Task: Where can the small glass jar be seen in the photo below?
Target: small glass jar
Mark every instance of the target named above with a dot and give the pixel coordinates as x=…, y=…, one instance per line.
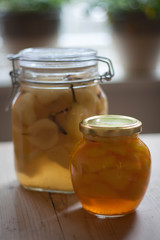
x=57, y=88
x=110, y=166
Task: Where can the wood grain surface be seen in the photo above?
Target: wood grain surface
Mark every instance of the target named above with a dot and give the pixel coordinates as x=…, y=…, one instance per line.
x=27, y=215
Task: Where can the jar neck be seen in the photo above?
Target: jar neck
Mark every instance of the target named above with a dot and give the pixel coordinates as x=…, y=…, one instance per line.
x=109, y=139
x=36, y=76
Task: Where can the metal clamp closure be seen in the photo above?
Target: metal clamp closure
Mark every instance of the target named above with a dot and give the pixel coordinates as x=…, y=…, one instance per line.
x=15, y=81
x=15, y=73
x=107, y=76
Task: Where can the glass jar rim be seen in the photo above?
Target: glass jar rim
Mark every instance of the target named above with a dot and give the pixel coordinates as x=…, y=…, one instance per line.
x=110, y=126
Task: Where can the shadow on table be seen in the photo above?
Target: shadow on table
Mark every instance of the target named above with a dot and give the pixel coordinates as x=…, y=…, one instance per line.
x=79, y=224
x=39, y=212
x=124, y=226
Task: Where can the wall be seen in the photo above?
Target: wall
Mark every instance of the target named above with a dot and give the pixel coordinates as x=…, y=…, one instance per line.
x=136, y=99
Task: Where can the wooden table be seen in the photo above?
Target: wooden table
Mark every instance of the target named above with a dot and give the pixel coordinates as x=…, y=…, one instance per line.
x=27, y=215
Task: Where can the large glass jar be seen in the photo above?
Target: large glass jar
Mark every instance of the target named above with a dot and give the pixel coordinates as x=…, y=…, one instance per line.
x=110, y=166
x=58, y=88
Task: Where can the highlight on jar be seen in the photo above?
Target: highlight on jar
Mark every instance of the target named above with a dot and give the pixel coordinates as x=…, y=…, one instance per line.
x=52, y=99
x=110, y=166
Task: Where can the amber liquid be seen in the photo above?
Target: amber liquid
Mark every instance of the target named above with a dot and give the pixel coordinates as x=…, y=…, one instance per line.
x=46, y=175
x=45, y=130
x=113, y=207
x=111, y=178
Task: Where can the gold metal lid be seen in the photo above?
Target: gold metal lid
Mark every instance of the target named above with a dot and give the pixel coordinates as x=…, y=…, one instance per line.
x=110, y=126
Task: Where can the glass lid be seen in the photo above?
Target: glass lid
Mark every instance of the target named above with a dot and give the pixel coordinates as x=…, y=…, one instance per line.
x=56, y=58
x=55, y=54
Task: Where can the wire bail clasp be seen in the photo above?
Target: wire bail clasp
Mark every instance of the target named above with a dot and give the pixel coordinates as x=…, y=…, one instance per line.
x=14, y=74
x=107, y=76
